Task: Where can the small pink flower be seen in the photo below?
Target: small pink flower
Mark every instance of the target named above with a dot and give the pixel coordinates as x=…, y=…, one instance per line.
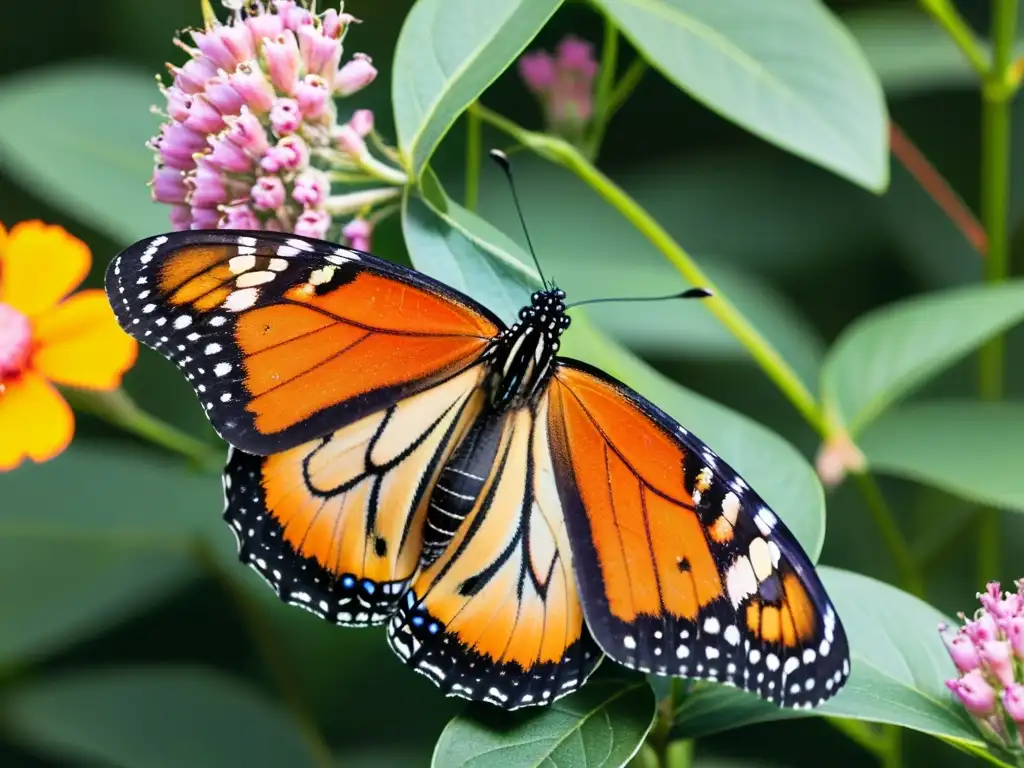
x=239, y=217
x=285, y=117
x=576, y=55
x=247, y=133
x=981, y=629
x=202, y=116
x=977, y=696
x=283, y=61
x=168, y=185
x=537, y=68
x=204, y=218
x=1014, y=629
x=334, y=23
x=311, y=188
x=211, y=44
x=312, y=95
x=1000, y=606
x=350, y=142
x=563, y=83
x=293, y=15
x=961, y=650
x=177, y=145
x=358, y=73
x=313, y=224
x=358, y=232
x=228, y=156
x=210, y=188
x=362, y=122
x=264, y=25
x=181, y=217
x=998, y=659
x=178, y=103
x=192, y=77
x=252, y=85
x=320, y=53
x=222, y=95
x=268, y=193
x=290, y=153
x=1013, y=700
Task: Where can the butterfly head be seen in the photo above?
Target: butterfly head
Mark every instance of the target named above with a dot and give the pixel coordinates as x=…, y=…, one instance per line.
x=522, y=355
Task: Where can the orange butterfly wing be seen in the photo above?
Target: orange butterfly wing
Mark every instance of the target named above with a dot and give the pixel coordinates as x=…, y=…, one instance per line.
x=683, y=570
x=286, y=339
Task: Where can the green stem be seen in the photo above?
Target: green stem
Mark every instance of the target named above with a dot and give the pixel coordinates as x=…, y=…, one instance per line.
x=997, y=94
x=474, y=146
x=761, y=350
x=945, y=13
x=892, y=756
x=670, y=754
x=630, y=79
x=274, y=658
x=897, y=545
x=605, y=83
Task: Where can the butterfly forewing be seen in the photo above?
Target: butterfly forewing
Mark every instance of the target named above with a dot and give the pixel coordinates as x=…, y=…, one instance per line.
x=683, y=569
x=286, y=339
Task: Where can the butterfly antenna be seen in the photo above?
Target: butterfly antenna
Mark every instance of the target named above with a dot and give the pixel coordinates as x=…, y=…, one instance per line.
x=501, y=159
x=692, y=293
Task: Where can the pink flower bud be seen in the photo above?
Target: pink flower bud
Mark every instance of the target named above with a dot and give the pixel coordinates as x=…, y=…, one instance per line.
x=312, y=95
x=292, y=14
x=960, y=649
x=283, y=61
x=358, y=73
x=998, y=659
x=210, y=188
x=576, y=55
x=239, y=217
x=999, y=606
x=211, y=44
x=285, y=117
x=334, y=23
x=974, y=692
x=537, y=69
x=247, y=133
x=222, y=96
x=350, y=142
x=268, y=193
x=362, y=122
x=1013, y=701
x=311, y=188
x=204, y=218
x=358, y=232
x=264, y=25
x=1014, y=629
x=202, y=116
x=250, y=83
x=168, y=185
x=982, y=629
x=181, y=217
x=192, y=76
x=320, y=53
x=239, y=43
x=228, y=156
x=313, y=224
x=178, y=103
x=290, y=153
x=177, y=145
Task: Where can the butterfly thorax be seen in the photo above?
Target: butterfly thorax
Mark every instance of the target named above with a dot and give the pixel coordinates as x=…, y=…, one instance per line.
x=521, y=357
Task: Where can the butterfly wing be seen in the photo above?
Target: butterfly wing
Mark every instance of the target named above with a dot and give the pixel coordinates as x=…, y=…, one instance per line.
x=682, y=568
x=287, y=338
x=335, y=525
x=494, y=614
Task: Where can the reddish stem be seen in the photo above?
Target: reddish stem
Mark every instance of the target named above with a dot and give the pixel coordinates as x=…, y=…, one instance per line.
x=931, y=181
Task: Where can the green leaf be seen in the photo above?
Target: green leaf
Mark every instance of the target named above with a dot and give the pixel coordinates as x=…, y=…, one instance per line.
x=75, y=136
x=785, y=70
x=898, y=669
x=885, y=353
x=776, y=469
x=99, y=533
x=970, y=449
x=448, y=52
x=154, y=717
x=600, y=726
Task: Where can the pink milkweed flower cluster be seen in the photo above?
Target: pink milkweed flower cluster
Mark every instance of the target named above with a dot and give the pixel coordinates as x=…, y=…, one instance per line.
x=988, y=651
x=564, y=84
x=252, y=133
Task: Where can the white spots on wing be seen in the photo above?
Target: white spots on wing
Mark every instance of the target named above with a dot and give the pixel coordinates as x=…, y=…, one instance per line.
x=792, y=664
x=630, y=642
x=250, y=279
x=212, y=349
x=765, y=520
x=711, y=626
x=731, y=507
x=732, y=635
x=809, y=656
x=772, y=662
x=278, y=265
x=240, y=264
x=241, y=299
x=161, y=321
x=226, y=397
x=776, y=553
x=246, y=240
x=740, y=581
x=321, y=276
x=149, y=308
x=184, y=321
x=682, y=652
x=222, y=369
x=760, y=558
x=301, y=245
x=218, y=320
x=287, y=250
x=193, y=337
x=711, y=652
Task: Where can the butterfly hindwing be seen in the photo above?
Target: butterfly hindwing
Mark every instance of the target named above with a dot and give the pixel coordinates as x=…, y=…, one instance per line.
x=335, y=525
x=494, y=614
x=683, y=569
x=287, y=338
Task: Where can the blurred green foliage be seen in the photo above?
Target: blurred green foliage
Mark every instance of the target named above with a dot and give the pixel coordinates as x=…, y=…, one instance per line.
x=129, y=636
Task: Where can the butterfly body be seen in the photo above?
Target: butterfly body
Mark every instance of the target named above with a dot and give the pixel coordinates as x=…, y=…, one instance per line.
x=402, y=457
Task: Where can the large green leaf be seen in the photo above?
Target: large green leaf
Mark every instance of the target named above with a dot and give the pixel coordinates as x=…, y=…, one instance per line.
x=448, y=52
x=967, y=448
x=94, y=536
x=886, y=353
x=899, y=666
x=600, y=726
x=154, y=717
x=779, y=473
x=785, y=70
x=75, y=136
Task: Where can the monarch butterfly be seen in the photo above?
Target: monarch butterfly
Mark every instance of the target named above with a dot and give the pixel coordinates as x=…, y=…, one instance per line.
x=399, y=455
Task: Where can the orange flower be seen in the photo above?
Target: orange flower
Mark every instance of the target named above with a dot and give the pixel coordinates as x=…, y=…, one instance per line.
x=46, y=338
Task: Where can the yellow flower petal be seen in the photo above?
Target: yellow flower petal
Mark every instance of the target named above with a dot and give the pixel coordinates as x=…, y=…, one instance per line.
x=40, y=264
x=35, y=421
x=80, y=344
